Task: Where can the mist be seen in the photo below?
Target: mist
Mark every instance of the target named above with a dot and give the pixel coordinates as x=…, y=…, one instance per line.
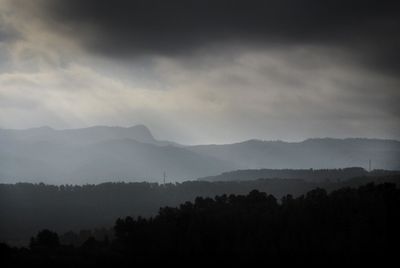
x=187, y=131
x=102, y=154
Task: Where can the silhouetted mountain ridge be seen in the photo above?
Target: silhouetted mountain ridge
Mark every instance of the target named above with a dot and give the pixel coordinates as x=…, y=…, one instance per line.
x=321, y=153
x=101, y=153
x=80, y=136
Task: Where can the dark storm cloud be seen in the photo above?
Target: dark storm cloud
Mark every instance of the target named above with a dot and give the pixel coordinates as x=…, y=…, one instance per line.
x=6, y=35
x=7, y=32
x=238, y=69
x=368, y=30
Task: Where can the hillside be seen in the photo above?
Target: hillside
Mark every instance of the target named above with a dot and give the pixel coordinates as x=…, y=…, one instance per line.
x=311, y=175
x=347, y=225
x=312, y=153
x=98, y=154
x=26, y=208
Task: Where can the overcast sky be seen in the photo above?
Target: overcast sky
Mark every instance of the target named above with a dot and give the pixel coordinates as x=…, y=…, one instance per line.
x=204, y=71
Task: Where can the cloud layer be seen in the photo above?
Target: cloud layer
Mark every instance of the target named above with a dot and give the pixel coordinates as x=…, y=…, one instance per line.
x=367, y=29
x=203, y=71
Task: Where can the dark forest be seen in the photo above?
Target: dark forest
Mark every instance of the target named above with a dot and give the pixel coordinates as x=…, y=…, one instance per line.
x=27, y=208
x=348, y=225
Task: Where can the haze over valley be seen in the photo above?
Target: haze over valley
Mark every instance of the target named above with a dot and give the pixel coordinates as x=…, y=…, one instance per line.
x=99, y=154
x=144, y=132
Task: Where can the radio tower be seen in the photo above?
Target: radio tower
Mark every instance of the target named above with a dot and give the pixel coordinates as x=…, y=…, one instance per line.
x=369, y=165
x=165, y=175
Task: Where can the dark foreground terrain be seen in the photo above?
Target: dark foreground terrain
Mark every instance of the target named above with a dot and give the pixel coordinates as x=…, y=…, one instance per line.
x=28, y=208
x=348, y=225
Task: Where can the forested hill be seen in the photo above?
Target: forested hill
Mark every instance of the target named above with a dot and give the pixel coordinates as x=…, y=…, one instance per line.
x=26, y=208
x=315, y=175
x=346, y=226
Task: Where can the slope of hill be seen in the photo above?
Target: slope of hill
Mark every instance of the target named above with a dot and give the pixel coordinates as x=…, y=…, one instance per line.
x=312, y=153
x=78, y=136
x=310, y=175
x=26, y=208
x=304, y=174
x=116, y=160
x=96, y=154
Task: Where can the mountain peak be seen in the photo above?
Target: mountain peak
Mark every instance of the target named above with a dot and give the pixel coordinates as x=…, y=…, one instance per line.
x=139, y=133
x=86, y=135
x=142, y=132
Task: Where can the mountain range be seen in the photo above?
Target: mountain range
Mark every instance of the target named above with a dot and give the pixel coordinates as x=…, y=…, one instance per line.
x=102, y=153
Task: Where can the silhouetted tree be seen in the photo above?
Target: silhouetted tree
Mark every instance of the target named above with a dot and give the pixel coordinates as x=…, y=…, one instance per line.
x=348, y=225
x=45, y=239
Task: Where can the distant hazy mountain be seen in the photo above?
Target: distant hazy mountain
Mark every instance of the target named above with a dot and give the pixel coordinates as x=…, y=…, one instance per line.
x=101, y=153
x=79, y=136
x=312, y=153
x=97, y=154
x=310, y=175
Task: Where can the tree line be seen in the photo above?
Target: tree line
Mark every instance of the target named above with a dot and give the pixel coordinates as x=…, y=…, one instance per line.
x=27, y=208
x=348, y=225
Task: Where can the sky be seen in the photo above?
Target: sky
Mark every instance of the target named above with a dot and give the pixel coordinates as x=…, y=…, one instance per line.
x=210, y=71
